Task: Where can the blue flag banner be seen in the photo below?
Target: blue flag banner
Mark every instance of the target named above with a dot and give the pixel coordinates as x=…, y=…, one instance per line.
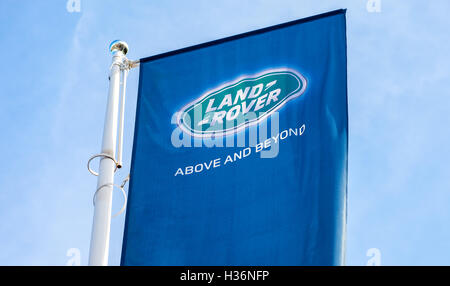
x=240, y=150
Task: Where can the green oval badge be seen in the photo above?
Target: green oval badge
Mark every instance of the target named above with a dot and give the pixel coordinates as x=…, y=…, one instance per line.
x=238, y=104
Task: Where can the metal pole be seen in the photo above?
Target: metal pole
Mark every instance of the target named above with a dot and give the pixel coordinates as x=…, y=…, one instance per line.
x=99, y=248
x=121, y=118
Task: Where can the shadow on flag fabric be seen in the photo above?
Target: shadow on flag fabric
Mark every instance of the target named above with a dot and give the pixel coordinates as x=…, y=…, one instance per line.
x=240, y=150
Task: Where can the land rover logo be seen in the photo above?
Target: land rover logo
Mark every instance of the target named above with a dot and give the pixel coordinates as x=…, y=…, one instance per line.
x=240, y=103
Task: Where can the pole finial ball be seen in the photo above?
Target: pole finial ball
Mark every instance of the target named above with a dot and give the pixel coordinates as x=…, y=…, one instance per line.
x=119, y=45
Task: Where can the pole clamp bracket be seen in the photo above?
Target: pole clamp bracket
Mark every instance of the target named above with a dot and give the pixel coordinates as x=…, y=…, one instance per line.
x=126, y=64
x=121, y=188
x=104, y=155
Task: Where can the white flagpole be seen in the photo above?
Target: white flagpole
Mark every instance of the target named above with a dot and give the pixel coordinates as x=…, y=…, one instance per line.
x=99, y=248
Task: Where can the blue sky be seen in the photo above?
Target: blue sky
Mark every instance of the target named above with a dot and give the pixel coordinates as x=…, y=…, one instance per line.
x=53, y=93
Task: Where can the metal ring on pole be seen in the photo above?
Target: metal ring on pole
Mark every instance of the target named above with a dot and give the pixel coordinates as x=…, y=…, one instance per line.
x=100, y=155
x=123, y=193
x=122, y=66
